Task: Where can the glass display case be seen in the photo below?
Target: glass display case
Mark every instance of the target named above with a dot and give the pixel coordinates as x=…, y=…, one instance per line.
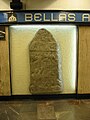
x=20, y=38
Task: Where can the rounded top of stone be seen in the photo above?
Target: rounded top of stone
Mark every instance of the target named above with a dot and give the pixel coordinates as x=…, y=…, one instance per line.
x=43, y=41
x=43, y=30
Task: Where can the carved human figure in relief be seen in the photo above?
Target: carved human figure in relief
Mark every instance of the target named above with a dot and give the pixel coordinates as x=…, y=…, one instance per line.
x=45, y=64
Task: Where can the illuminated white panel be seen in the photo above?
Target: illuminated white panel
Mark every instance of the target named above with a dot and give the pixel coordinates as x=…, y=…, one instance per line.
x=20, y=37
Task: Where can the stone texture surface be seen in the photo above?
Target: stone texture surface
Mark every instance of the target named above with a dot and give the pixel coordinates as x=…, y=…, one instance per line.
x=56, y=109
x=45, y=68
x=43, y=41
x=45, y=112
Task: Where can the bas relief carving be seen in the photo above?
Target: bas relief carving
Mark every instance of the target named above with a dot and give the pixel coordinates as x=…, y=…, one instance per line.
x=45, y=64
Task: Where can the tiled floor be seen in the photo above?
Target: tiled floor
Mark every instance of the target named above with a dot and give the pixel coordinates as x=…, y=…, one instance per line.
x=45, y=110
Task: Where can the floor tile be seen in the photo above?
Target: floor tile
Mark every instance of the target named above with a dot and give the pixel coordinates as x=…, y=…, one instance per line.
x=28, y=116
x=31, y=107
x=3, y=116
x=45, y=112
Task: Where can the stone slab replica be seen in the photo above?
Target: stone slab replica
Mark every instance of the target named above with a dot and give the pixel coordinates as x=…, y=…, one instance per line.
x=45, y=64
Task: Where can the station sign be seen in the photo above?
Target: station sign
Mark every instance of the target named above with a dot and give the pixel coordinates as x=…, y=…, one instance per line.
x=44, y=16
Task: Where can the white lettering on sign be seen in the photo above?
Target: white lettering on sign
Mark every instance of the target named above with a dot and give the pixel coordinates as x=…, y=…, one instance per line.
x=52, y=18
x=45, y=18
x=37, y=17
x=60, y=17
x=28, y=17
x=86, y=17
x=71, y=17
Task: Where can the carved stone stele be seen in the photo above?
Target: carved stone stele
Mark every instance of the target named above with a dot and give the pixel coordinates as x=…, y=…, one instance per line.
x=45, y=64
